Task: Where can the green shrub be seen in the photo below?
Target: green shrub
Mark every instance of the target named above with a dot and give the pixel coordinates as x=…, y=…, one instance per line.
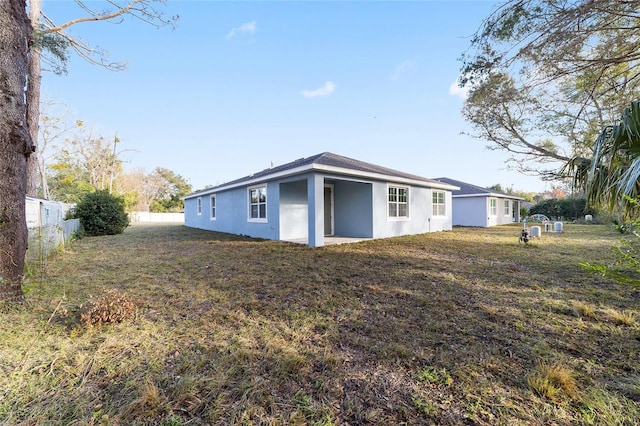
x=101, y=213
x=568, y=208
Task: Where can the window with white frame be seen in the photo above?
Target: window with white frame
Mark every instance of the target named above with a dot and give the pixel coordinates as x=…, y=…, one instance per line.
x=199, y=202
x=507, y=208
x=398, y=201
x=437, y=203
x=493, y=206
x=258, y=204
x=213, y=207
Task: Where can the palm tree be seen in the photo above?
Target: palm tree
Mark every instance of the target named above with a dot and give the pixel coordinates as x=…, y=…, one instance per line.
x=611, y=177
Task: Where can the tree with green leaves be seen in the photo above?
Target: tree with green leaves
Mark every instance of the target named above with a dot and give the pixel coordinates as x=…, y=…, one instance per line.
x=83, y=163
x=570, y=208
x=527, y=196
x=54, y=127
x=611, y=179
x=15, y=146
x=169, y=196
x=544, y=76
x=611, y=176
x=159, y=191
x=52, y=43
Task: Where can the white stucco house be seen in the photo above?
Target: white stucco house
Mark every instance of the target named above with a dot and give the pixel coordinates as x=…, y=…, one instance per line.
x=477, y=206
x=319, y=199
x=47, y=228
x=40, y=212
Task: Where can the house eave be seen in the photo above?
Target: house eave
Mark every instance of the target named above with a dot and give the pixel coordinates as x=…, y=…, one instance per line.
x=341, y=171
x=383, y=177
x=488, y=194
x=249, y=182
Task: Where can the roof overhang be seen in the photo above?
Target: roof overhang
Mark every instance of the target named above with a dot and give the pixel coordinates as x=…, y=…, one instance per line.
x=489, y=194
x=340, y=171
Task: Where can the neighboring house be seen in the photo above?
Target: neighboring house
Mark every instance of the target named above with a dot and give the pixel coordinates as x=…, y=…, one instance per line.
x=47, y=228
x=477, y=206
x=40, y=212
x=320, y=198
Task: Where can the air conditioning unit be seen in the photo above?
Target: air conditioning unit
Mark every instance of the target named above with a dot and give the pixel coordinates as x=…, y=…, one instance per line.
x=536, y=231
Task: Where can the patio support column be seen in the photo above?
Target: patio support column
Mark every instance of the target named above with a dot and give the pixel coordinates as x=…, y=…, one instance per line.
x=315, y=198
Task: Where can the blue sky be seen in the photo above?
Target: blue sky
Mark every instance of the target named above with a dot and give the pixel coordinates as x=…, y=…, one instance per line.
x=238, y=86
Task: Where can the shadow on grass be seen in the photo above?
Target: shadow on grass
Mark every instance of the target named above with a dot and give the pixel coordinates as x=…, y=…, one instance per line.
x=234, y=330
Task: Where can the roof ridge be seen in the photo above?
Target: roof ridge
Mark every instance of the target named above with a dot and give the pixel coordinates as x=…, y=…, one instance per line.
x=325, y=159
x=470, y=186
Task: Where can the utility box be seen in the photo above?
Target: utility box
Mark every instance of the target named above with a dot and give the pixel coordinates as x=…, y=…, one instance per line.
x=536, y=231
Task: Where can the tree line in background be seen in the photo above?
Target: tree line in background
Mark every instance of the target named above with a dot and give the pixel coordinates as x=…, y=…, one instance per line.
x=74, y=162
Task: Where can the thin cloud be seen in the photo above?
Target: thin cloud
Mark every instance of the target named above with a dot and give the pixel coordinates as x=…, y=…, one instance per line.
x=326, y=90
x=246, y=28
x=401, y=69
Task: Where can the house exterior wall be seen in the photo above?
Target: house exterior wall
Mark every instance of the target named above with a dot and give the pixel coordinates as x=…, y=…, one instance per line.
x=232, y=213
x=353, y=209
x=476, y=211
x=440, y=223
x=470, y=211
x=40, y=212
x=421, y=219
x=47, y=229
x=32, y=213
x=295, y=210
x=501, y=217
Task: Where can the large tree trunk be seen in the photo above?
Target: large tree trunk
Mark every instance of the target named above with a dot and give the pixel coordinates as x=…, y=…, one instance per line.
x=15, y=145
x=33, y=105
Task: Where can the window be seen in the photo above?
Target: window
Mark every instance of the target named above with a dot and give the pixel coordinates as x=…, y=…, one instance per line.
x=258, y=204
x=213, y=207
x=438, y=203
x=199, y=206
x=398, y=201
x=507, y=210
x=493, y=206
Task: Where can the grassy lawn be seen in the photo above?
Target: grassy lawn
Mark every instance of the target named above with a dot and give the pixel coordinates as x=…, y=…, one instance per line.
x=467, y=327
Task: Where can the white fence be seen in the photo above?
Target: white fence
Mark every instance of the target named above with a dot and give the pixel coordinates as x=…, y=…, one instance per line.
x=147, y=217
x=43, y=240
x=48, y=231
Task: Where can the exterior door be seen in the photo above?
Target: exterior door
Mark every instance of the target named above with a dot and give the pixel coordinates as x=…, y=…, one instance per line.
x=328, y=210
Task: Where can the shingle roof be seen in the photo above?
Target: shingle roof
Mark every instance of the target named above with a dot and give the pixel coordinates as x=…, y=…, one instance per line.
x=467, y=189
x=329, y=159
x=324, y=159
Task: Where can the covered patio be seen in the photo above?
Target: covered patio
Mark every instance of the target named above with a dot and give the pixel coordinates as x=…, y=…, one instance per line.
x=322, y=210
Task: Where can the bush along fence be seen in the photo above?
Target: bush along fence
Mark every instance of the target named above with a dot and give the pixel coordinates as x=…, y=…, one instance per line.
x=48, y=231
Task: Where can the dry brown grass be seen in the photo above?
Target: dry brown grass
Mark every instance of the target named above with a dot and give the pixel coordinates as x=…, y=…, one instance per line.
x=112, y=307
x=624, y=317
x=449, y=328
x=553, y=381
